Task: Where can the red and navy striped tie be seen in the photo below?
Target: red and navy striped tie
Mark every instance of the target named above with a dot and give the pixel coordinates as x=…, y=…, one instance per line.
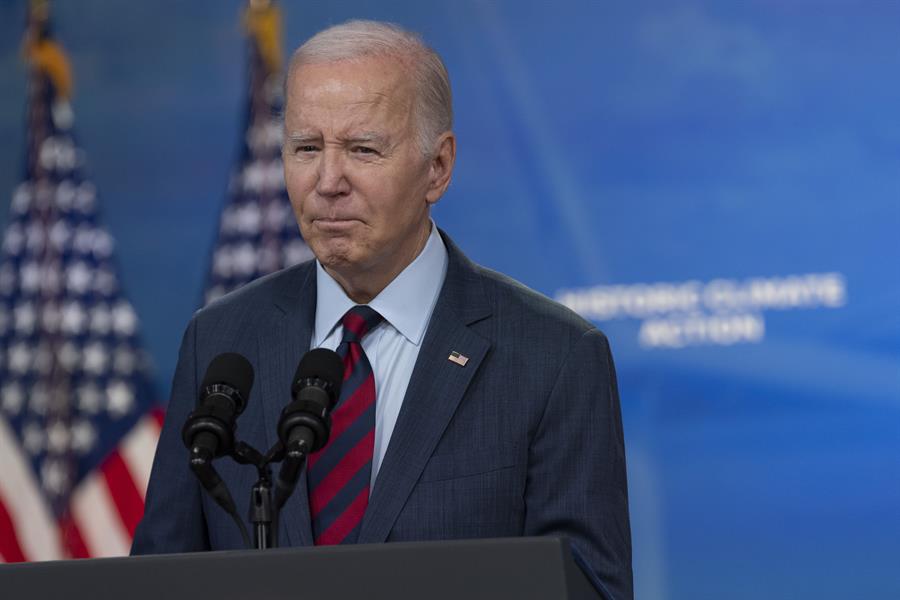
x=339, y=474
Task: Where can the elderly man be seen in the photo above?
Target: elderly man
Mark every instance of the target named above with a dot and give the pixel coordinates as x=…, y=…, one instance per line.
x=474, y=407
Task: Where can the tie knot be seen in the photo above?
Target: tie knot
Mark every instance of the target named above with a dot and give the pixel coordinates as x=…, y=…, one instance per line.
x=358, y=321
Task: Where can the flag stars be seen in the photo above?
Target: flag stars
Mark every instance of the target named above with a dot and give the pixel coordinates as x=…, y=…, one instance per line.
x=102, y=244
x=19, y=358
x=105, y=282
x=101, y=321
x=124, y=360
x=95, y=358
x=22, y=198
x=65, y=196
x=69, y=356
x=58, y=437
x=51, y=280
x=222, y=262
x=268, y=258
x=60, y=234
x=14, y=239
x=30, y=277
x=55, y=476
x=84, y=436
x=120, y=399
x=85, y=197
x=277, y=216
x=124, y=320
x=83, y=239
x=78, y=278
x=89, y=398
x=58, y=153
x=39, y=399
x=43, y=195
x=274, y=133
x=274, y=175
x=50, y=317
x=74, y=318
x=33, y=438
x=12, y=398
x=247, y=219
x=254, y=177
x=266, y=136
x=25, y=318
x=68, y=361
x=35, y=237
x=244, y=259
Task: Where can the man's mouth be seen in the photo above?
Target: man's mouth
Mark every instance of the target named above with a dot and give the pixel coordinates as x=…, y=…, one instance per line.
x=335, y=224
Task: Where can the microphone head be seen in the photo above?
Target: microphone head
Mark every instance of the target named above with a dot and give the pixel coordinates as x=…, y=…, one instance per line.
x=231, y=369
x=321, y=363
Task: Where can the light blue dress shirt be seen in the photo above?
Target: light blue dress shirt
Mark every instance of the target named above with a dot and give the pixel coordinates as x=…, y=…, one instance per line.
x=392, y=348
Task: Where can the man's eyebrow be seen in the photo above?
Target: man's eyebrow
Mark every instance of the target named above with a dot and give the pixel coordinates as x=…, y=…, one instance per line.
x=303, y=137
x=365, y=137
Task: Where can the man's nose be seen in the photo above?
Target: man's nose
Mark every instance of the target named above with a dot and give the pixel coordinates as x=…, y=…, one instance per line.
x=332, y=179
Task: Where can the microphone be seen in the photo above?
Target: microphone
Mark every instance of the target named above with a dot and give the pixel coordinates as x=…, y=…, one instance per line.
x=209, y=430
x=305, y=422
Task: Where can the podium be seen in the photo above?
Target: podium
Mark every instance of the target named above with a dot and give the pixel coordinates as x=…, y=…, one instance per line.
x=521, y=568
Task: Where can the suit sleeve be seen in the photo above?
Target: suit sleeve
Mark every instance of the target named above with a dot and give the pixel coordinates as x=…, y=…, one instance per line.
x=576, y=484
x=173, y=515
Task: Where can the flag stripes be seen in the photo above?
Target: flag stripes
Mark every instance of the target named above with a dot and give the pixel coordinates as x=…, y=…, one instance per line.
x=78, y=408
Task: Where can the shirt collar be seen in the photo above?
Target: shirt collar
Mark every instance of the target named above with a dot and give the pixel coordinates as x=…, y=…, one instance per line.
x=406, y=303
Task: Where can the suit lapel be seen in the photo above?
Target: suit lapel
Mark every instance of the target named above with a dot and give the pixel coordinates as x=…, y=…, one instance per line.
x=435, y=390
x=283, y=338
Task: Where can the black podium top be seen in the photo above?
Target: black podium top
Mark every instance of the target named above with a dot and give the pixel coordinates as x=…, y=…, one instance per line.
x=521, y=568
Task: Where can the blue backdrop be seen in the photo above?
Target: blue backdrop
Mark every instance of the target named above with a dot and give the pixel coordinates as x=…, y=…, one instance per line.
x=716, y=184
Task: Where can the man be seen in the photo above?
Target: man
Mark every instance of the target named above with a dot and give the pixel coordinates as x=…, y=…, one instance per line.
x=483, y=409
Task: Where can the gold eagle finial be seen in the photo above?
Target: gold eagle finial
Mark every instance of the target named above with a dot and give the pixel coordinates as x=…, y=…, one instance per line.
x=43, y=53
x=262, y=21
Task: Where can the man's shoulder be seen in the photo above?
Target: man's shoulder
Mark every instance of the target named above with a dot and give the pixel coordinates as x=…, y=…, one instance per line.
x=517, y=310
x=514, y=301
x=260, y=293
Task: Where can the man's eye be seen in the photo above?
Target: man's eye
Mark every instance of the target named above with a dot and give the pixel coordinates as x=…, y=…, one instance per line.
x=364, y=150
x=306, y=148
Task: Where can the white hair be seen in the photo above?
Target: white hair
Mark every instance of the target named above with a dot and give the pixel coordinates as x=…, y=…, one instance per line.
x=358, y=39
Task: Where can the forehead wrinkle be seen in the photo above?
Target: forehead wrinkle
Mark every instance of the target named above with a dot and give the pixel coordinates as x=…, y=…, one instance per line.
x=338, y=86
x=344, y=107
x=348, y=111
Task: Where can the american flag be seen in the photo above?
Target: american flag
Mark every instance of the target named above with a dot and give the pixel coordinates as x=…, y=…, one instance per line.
x=257, y=231
x=78, y=416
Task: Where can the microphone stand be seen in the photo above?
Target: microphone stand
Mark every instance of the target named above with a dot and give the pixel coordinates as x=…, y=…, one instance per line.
x=263, y=514
x=266, y=498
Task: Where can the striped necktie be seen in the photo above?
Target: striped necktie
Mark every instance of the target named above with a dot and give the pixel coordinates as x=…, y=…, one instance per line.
x=339, y=474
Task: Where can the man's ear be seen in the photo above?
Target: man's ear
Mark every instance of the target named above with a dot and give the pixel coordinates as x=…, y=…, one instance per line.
x=440, y=168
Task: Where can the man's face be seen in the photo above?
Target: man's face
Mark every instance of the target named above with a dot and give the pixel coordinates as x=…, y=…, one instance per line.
x=358, y=183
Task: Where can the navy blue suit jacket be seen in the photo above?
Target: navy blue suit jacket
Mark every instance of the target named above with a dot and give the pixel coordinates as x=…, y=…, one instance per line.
x=525, y=439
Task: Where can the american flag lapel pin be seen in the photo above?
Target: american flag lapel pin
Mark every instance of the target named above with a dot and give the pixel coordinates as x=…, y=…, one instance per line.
x=460, y=359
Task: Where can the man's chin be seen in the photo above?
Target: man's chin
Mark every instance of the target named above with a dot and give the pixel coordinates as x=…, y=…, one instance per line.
x=334, y=256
